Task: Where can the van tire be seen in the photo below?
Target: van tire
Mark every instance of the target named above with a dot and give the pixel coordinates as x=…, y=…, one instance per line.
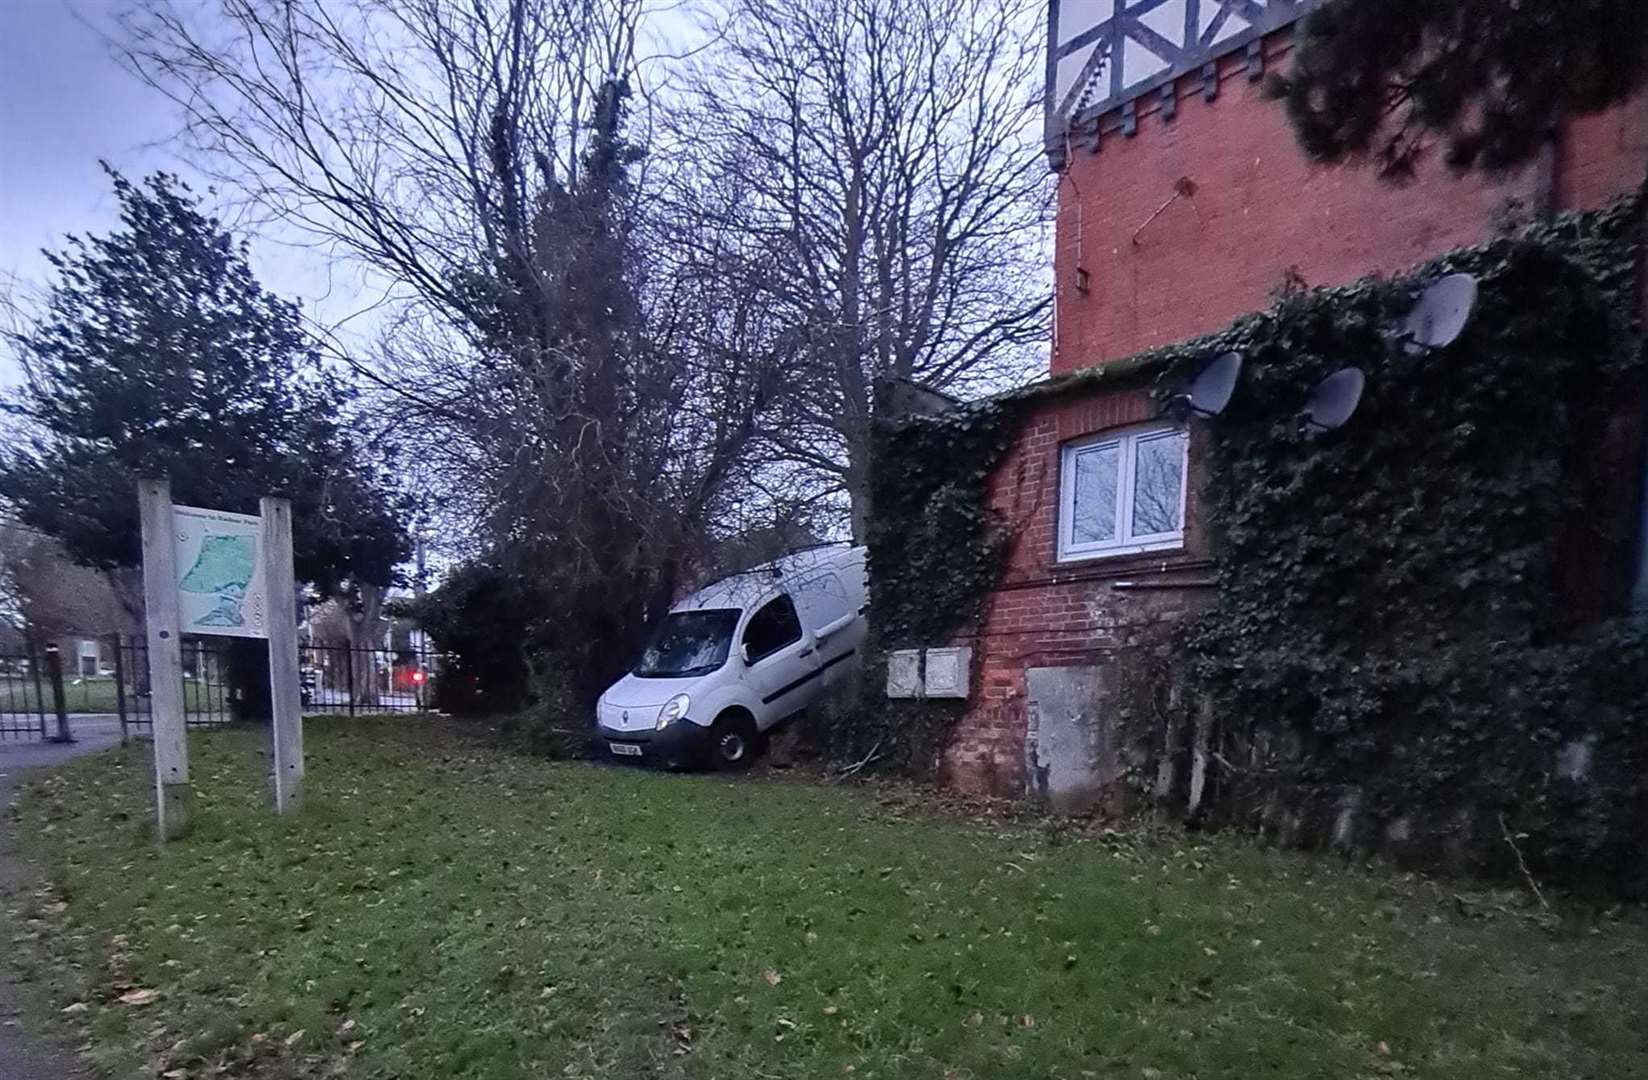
x=734, y=740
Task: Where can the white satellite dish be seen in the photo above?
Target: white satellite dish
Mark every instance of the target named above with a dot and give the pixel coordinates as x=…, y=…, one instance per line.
x=1210, y=391
x=1442, y=311
x=1334, y=400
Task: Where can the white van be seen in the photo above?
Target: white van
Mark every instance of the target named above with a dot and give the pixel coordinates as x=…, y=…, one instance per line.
x=735, y=658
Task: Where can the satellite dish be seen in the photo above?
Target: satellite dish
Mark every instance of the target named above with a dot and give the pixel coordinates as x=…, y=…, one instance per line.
x=1440, y=314
x=1334, y=400
x=1210, y=391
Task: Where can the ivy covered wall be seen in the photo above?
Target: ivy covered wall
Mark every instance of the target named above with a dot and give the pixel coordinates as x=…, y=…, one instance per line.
x=1405, y=644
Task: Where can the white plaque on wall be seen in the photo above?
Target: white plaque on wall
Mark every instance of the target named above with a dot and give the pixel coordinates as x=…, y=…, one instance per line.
x=949, y=671
x=904, y=673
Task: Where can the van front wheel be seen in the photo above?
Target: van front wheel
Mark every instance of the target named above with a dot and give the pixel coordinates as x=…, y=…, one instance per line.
x=733, y=741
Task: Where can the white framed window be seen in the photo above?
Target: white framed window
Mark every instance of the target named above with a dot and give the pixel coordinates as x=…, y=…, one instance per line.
x=1123, y=492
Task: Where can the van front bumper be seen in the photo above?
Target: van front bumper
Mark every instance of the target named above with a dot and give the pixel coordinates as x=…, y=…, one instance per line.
x=680, y=744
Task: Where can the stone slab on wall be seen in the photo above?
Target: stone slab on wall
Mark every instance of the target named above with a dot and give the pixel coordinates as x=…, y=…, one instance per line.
x=1070, y=747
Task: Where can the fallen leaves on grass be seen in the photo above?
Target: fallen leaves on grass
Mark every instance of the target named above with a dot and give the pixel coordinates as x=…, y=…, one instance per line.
x=977, y=944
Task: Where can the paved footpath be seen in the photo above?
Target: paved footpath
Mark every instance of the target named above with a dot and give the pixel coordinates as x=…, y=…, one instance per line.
x=24, y=1056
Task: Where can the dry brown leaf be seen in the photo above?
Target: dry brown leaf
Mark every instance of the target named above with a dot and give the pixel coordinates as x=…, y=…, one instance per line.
x=773, y=978
x=139, y=997
x=296, y=1037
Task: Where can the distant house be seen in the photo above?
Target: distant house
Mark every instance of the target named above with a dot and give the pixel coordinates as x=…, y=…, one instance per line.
x=52, y=600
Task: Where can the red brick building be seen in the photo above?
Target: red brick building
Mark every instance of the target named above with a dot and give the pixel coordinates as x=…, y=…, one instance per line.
x=1183, y=202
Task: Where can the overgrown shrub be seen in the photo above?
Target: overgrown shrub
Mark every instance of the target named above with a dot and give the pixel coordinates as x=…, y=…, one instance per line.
x=549, y=720
x=1389, y=601
x=479, y=619
x=933, y=554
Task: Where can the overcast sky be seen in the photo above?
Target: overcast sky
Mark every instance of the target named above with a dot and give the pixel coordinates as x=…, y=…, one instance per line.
x=64, y=104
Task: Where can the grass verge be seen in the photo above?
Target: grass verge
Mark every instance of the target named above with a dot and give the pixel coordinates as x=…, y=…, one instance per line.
x=444, y=909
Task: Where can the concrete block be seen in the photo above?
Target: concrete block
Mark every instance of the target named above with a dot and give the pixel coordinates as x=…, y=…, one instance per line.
x=949, y=672
x=1070, y=752
x=904, y=673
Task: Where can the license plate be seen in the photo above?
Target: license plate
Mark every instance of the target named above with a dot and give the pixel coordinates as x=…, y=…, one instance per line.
x=624, y=749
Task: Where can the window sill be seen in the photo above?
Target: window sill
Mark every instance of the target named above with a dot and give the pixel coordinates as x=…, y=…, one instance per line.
x=1082, y=557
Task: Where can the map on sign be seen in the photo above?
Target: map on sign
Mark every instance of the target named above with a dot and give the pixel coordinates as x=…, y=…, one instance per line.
x=220, y=573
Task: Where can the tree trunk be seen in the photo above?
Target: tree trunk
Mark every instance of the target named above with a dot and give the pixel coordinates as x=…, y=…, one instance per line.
x=857, y=480
x=364, y=631
x=246, y=679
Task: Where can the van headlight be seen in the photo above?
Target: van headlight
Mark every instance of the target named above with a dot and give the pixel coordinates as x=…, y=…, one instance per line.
x=674, y=709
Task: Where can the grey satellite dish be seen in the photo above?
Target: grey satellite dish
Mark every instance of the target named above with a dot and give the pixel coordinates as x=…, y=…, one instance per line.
x=1210, y=391
x=1334, y=400
x=1440, y=314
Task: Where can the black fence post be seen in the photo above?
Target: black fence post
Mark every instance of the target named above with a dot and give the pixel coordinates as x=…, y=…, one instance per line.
x=349, y=676
x=120, y=683
x=35, y=664
x=54, y=668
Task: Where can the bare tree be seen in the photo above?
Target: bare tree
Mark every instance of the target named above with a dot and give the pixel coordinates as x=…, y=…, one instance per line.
x=354, y=620
x=604, y=369
x=881, y=160
x=372, y=127
x=587, y=404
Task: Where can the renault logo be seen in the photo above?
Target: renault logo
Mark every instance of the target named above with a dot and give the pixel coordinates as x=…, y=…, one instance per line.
x=625, y=720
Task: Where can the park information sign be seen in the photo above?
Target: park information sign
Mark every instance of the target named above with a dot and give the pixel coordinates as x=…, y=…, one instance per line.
x=220, y=585
x=213, y=572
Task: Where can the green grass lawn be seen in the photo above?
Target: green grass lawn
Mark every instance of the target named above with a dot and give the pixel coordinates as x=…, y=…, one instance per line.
x=97, y=694
x=443, y=909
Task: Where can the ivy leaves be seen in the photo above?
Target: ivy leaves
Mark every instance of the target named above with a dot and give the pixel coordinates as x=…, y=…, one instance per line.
x=1389, y=598
x=1389, y=593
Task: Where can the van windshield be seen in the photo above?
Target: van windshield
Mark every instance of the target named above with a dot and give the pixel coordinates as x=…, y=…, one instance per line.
x=689, y=643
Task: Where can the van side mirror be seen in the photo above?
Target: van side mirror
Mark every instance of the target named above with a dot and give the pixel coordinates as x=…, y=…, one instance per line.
x=744, y=651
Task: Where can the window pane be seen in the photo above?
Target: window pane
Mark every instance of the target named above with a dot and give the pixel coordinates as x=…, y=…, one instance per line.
x=1094, y=497
x=772, y=628
x=1157, y=495
x=689, y=643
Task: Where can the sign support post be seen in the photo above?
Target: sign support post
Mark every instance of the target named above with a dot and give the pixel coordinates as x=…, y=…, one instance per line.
x=239, y=583
x=174, y=796
x=285, y=692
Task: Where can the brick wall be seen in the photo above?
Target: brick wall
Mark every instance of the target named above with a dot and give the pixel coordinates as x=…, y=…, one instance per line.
x=1051, y=614
x=1163, y=268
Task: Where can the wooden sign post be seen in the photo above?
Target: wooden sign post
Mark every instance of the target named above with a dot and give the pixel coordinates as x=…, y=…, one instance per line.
x=285, y=693
x=173, y=796
x=214, y=572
